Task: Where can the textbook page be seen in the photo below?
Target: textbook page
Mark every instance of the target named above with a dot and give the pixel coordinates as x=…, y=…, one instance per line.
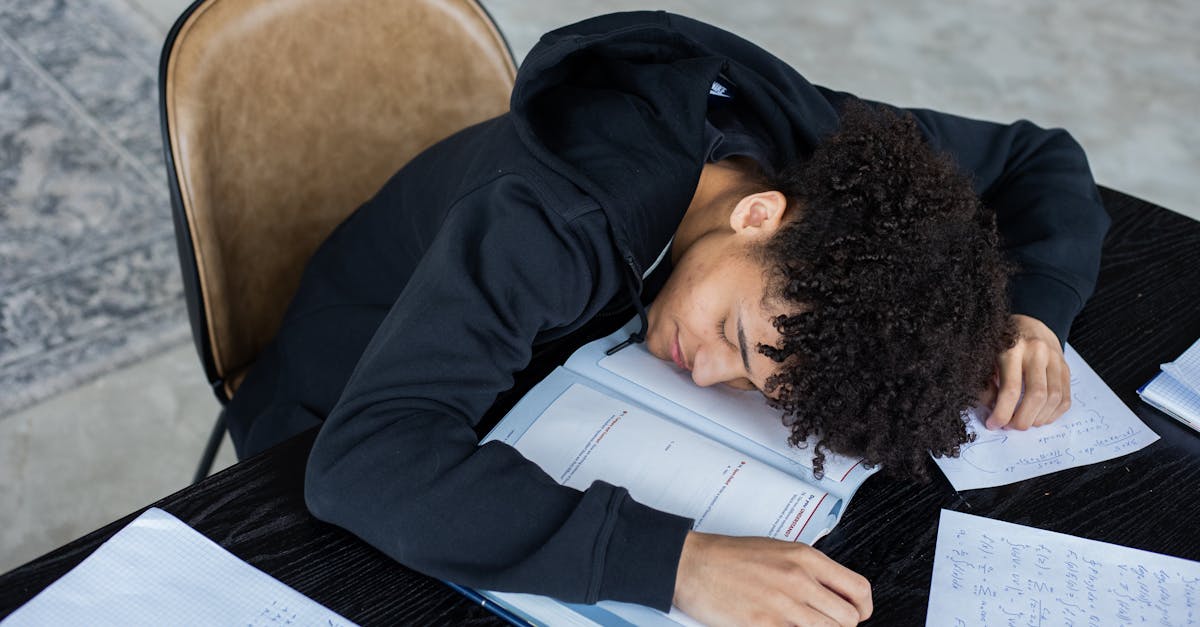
x=577, y=431
x=159, y=571
x=584, y=434
x=723, y=410
x=987, y=572
x=1098, y=427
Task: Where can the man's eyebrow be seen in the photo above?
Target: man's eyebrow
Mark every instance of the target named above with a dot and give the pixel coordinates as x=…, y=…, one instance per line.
x=742, y=342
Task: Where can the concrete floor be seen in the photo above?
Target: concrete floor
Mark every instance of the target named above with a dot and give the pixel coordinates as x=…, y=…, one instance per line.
x=1124, y=78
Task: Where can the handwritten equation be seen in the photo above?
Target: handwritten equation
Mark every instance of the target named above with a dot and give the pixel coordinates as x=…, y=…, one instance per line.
x=1097, y=428
x=987, y=572
x=283, y=613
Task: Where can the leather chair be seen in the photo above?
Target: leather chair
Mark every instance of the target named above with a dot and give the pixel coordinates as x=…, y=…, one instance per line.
x=280, y=117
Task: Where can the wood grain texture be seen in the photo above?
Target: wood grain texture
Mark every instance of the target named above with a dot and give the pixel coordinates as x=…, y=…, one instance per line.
x=1146, y=310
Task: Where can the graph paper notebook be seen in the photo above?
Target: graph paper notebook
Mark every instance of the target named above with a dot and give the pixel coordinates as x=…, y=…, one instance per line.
x=1176, y=390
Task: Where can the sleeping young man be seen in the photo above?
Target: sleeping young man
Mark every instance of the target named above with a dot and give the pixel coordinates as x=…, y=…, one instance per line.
x=872, y=270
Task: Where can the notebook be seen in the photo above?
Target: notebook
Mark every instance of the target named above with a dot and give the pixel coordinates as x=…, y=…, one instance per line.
x=1176, y=389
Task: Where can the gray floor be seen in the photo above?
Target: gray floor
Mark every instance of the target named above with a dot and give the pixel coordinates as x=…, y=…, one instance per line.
x=1123, y=77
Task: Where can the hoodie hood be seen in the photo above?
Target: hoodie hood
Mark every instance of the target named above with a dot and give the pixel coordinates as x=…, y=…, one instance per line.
x=617, y=105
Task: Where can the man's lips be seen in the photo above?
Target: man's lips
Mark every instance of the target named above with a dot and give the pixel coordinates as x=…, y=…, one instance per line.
x=677, y=354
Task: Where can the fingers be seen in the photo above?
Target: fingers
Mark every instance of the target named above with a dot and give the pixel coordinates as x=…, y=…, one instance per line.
x=799, y=615
x=748, y=580
x=1047, y=387
x=1035, y=381
x=820, y=606
x=1009, y=391
x=821, y=591
x=849, y=585
x=1058, y=400
x=1033, y=399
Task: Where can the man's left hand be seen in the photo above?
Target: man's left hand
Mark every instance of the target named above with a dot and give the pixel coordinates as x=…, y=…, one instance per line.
x=1036, y=364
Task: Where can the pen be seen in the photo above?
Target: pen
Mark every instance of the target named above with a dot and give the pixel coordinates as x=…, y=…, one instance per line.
x=490, y=605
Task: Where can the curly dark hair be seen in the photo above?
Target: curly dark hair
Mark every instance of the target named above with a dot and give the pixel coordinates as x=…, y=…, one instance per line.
x=893, y=273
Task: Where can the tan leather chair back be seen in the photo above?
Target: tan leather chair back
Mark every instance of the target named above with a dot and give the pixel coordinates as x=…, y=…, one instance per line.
x=282, y=116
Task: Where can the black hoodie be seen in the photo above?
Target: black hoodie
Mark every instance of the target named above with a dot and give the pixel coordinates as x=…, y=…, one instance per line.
x=521, y=229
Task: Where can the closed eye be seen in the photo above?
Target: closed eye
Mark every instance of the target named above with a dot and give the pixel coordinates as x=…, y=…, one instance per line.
x=721, y=332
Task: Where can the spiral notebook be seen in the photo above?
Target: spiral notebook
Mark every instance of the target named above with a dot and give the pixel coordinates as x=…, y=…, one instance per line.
x=1176, y=389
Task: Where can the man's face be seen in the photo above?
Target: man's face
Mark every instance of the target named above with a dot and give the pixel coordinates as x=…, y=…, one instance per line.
x=710, y=316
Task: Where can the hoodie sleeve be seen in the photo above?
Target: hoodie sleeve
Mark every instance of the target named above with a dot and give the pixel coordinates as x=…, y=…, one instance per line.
x=1049, y=214
x=1048, y=211
x=398, y=463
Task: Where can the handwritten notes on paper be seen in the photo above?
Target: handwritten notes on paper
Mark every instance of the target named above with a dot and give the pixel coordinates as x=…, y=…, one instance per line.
x=159, y=571
x=1097, y=428
x=987, y=572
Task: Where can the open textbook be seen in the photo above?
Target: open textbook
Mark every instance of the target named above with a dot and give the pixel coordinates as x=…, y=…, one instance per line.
x=717, y=455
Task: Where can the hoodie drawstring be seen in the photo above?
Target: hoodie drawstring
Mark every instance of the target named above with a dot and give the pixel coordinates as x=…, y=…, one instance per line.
x=635, y=292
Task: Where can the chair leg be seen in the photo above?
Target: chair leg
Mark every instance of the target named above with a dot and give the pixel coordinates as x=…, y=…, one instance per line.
x=210, y=451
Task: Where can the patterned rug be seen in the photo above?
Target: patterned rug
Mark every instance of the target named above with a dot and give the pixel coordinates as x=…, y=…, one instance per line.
x=89, y=279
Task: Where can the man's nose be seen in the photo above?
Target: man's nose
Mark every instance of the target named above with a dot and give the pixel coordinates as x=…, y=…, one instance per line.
x=710, y=367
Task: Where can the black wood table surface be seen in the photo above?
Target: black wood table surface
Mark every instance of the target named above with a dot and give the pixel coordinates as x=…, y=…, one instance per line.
x=1146, y=311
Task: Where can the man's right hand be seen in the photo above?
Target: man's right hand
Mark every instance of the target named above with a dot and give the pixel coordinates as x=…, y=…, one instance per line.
x=726, y=580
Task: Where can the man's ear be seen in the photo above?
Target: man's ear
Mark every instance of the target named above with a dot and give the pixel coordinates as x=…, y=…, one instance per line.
x=759, y=215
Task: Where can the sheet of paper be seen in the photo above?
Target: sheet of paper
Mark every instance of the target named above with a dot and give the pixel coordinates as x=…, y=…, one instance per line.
x=1097, y=428
x=742, y=412
x=987, y=572
x=586, y=435
x=159, y=571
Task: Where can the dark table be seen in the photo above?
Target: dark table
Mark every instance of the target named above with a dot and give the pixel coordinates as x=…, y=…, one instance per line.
x=1146, y=310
